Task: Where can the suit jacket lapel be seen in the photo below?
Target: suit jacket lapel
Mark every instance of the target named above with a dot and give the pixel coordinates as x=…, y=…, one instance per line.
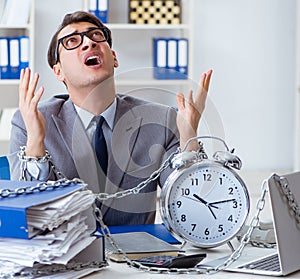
x=72, y=132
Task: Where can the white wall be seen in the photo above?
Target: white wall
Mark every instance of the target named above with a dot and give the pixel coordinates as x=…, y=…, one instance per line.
x=251, y=46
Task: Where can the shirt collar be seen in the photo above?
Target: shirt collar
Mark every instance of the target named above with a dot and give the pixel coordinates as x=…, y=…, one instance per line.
x=109, y=115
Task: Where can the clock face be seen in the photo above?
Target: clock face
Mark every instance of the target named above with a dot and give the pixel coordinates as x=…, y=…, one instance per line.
x=205, y=204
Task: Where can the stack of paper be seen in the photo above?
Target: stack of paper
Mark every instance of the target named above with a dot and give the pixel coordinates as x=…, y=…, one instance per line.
x=59, y=221
x=50, y=215
x=57, y=246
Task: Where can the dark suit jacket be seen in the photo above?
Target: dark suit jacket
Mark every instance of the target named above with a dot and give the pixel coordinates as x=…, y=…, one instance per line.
x=144, y=135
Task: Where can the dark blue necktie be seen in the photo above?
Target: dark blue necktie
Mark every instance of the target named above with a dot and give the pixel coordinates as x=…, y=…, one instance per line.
x=100, y=145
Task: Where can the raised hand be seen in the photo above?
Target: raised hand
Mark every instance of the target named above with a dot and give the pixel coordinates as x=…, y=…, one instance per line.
x=190, y=112
x=34, y=120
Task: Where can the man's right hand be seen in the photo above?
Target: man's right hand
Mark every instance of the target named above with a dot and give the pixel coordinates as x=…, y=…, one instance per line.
x=35, y=122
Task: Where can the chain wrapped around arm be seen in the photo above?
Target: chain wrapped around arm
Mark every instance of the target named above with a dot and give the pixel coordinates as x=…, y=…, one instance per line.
x=24, y=159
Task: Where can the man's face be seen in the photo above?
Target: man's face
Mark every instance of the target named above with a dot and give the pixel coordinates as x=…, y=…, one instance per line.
x=87, y=65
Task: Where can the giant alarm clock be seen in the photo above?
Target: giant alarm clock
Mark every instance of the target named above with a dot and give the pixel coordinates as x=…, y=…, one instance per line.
x=204, y=201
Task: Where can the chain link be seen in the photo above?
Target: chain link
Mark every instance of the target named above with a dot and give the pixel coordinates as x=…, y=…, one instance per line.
x=25, y=159
x=133, y=191
x=39, y=187
x=294, y=206
x=58, y=268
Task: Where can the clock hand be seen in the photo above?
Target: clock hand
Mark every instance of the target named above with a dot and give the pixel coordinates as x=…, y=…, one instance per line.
x=211, y=211
x=223, y=201
x=200, y=199
x=204, y=201
x=207, y=204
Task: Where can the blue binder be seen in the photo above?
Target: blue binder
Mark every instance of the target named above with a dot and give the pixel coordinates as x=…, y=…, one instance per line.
x=4, y=58
x=13, y=217
x=14, y=58
x=157, y=230
x=99, y=8
x=160, y=58
x=24, y=52
x=170, y=58
x=182, y=61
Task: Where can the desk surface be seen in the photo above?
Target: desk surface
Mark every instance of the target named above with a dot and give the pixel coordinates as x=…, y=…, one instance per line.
x=121, y=270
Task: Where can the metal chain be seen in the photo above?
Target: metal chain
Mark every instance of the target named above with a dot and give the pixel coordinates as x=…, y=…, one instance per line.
x=47, y=158
x=39, y=187
x=246, y=238
x=284, y=186
x=58, y=268
x=121, y=194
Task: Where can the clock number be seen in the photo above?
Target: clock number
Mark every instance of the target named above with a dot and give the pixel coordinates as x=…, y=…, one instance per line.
x=221, y=180
x=179, y=203
x=206, y=232
x=235, y=204
x=195, y=181
x=183, y=218
x=185, y=192
x=230, y=218
x=193, y=227
x=220, y=229
x=207, y=176
x=230, y=191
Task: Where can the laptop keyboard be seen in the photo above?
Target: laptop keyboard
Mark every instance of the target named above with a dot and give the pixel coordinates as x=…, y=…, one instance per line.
x=270, y=263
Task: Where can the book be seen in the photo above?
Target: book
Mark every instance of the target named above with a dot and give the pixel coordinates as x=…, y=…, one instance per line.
x=158, y=230
x=25, y=215
x=138, y=245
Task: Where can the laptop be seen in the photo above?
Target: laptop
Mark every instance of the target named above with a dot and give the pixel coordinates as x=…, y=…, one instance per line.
x=285, y=259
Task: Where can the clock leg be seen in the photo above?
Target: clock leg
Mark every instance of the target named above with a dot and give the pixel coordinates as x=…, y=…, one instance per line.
x=230, y=246
x=182, y=245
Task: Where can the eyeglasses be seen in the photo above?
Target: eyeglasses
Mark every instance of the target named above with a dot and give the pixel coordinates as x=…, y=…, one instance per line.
x=74, y=40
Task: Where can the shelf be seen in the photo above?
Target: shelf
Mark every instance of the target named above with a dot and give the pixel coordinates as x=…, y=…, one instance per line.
x=4, y=26
x=131, y=26
x=9, y=82
x=154, y=82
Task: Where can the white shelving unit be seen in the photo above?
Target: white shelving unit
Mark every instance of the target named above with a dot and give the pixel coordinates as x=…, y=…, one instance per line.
x=9, y=93
x=133, y=46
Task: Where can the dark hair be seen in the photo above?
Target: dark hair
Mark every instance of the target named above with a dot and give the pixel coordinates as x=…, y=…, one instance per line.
x=75, y=17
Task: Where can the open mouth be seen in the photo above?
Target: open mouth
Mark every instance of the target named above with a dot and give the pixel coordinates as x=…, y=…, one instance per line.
x=93, y=61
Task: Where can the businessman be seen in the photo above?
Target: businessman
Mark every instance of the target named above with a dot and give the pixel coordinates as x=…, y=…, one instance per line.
x=64, y=134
